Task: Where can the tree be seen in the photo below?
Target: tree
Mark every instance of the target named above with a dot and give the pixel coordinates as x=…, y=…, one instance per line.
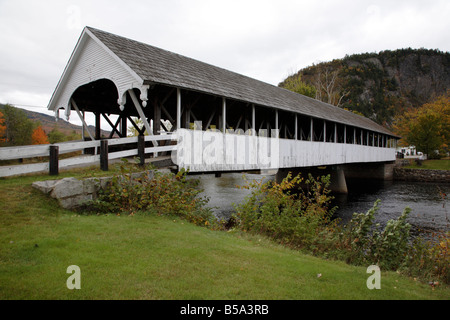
x=56, y=136
x=294, y=83
x=2, y=128
x=39, y=136
x=329, y=83
x=18, y=127
x=73, y=136
x=428, y=127
x=132, y=129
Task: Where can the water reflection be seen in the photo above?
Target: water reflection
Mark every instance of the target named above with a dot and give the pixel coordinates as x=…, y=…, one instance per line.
x=430, y=210
x=224, y=193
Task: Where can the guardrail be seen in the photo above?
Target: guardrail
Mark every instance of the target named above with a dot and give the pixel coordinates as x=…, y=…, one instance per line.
x=102, y=154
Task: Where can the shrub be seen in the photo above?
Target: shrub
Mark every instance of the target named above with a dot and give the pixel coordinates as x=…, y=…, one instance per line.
x=429, y=259
x=297, y=213
x=161, y=193
x=368, y=245
x=284, y=211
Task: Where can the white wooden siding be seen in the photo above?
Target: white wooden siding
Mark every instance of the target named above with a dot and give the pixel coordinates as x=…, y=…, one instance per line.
x=212, y=151
x=91, y=63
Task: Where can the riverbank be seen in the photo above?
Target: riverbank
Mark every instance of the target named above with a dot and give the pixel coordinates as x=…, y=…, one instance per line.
x=426, y=171
x=146, y=256
x=421, y=175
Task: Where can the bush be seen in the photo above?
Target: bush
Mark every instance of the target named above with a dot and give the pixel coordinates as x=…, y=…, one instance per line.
x=298, y=217
x=386, y=248
x=429, y=259
x=160, y=193
x=393, y=249
x=368, y=245
x=297, y=213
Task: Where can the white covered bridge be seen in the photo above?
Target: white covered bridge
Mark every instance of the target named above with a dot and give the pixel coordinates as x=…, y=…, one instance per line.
x=219, y=120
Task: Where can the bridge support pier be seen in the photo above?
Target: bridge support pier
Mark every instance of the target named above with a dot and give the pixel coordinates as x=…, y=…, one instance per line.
x=338, y=183
x=375, y=170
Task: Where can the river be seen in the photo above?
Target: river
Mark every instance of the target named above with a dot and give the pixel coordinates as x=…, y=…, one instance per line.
x=429, y=202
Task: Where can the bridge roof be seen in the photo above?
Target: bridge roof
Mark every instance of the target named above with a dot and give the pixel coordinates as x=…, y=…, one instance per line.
x=157, y=66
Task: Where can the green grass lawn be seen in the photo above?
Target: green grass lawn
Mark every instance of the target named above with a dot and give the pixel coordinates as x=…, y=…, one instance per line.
x=155, y=257
x=442, y=164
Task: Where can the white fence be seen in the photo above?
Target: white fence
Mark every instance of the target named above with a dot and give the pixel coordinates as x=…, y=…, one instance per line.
x=100, y=155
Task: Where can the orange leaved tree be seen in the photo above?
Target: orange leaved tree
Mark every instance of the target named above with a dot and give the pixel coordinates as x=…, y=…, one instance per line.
x=39, y=136
x=2, y=128
x=428, y=127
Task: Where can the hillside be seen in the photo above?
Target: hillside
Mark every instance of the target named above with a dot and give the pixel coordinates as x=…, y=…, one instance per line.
x=48, y=123
x=380, y=85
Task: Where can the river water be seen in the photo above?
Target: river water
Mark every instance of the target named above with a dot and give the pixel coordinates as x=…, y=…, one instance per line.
x=429, y=202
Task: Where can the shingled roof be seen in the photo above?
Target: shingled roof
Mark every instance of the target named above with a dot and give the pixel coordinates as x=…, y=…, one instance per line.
x=158, y=66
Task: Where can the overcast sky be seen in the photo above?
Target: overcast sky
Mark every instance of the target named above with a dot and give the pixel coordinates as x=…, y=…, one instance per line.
x=266, y=40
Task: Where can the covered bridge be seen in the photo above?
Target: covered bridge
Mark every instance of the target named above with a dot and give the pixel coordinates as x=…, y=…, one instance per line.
x=111, y=75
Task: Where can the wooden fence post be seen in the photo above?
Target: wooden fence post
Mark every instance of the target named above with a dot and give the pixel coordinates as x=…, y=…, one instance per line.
x=53, y=161
x=104, y=155
x=141, y=149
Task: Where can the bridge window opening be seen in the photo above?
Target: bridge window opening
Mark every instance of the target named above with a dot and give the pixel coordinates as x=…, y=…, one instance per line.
x=318, y=130
x=389, y=142
x=329, y=130
x=358, y=136
x=265, y=121
x=376, y=139
x=160, y=113
x=392, y=143
x=371, y=137
x=239, y=117
x=286, y=124
x=350, y=135
x=164, y=98
x=341, y=133
x=200, y=108
x=304, y=127
x=363, y=137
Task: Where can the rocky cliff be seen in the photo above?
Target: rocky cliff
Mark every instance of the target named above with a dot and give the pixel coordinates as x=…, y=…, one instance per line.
x=381, y=85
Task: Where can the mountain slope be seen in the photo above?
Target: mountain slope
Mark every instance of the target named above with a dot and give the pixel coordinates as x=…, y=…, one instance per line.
x=48, y=123
x=381, y=85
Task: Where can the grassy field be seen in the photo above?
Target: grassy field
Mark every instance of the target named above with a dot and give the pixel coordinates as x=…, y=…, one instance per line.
x=163, y=258
x=442, y=164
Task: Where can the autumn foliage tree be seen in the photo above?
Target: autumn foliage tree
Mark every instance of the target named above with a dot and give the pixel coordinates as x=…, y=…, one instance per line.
x=428, y=127
x=18, y=127
x=2, y=128
x=39, y=136
x=295, y=83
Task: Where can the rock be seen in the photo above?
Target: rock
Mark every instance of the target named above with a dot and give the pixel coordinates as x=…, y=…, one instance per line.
x=72, y=193
x=44, y=186
x=67, y=187
x=75, y=201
